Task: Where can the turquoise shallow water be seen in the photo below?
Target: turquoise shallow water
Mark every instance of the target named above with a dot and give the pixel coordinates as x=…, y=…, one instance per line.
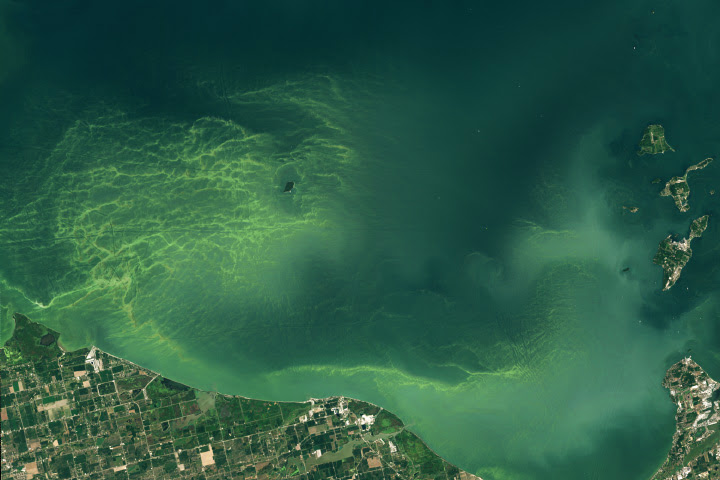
x=455, y=245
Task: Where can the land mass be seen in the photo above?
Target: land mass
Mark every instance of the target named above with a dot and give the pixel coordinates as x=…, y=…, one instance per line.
x=672, y=255
x=695, y=451
x=678, y=188
x=87, y=414
x=653, y=141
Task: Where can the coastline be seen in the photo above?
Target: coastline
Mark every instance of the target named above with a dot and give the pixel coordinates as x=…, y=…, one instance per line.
x=358, y=415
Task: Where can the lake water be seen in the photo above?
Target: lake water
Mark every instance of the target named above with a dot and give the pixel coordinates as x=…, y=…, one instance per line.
x=454, y=246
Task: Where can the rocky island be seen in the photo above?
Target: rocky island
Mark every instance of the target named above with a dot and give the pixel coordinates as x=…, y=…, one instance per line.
x=678, y=188
x=653, y=141
x=695, y=451
x=672, y=256
x=87, y=414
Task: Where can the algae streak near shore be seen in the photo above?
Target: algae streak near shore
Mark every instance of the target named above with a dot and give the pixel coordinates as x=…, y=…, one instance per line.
x=417, y=205
x=88, y=414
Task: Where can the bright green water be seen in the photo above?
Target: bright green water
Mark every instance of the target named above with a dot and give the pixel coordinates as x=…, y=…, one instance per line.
x=453, y=250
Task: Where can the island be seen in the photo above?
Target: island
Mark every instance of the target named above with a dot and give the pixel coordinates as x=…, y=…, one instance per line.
x=88, y=414
x=653, y=141
x=678, y=188
x=631, y=209
x=672, y=256
x=695, y=451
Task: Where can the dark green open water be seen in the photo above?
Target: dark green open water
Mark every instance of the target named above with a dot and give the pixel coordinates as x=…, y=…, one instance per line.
x=454, y=246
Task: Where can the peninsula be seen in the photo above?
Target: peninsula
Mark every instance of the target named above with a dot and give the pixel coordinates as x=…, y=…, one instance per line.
x=87, y=414
x=672, y=256
x=695, y=451
x=653, y=141
x=678, y=188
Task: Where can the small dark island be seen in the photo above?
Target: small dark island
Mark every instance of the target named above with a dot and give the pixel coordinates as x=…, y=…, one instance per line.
x=289, y=187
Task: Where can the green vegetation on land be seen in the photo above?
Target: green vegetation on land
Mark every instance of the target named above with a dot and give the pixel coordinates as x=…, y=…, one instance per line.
x=678, y=188
x=698, y=226
x=695, y=452
x=87, y=414
x=672, y=255
x=653, y=141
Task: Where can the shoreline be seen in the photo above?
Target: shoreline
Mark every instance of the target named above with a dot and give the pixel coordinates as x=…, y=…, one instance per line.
x=94, y=350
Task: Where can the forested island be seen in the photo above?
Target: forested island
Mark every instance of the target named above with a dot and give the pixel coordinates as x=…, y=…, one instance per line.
x=653, y=141
x=695, y=451
x=678, y=188
x=672, y=255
